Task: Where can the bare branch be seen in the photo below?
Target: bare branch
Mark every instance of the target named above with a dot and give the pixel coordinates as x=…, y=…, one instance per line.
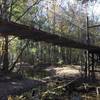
x=37, y=2
x=22, y=50
x=12, y=39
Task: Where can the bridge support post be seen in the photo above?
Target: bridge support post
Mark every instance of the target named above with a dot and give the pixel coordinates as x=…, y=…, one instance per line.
x=86, y=64
x=91, y=66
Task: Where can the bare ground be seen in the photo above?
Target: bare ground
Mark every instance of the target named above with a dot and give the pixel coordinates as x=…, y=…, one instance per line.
x=65, y=70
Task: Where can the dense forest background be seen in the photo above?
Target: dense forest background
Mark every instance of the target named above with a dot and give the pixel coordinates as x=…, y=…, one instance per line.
x=61, y=17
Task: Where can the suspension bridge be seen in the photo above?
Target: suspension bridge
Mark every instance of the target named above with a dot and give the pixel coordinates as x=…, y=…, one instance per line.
x=28, y=32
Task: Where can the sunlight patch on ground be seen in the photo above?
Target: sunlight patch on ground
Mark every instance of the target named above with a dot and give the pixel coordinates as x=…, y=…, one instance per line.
x=65, y=70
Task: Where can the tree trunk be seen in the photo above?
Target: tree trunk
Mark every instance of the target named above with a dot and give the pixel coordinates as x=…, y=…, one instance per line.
x=5, y=55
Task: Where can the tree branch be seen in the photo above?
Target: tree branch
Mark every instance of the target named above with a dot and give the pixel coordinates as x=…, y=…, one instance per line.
x=37, y=2
x=22, y=50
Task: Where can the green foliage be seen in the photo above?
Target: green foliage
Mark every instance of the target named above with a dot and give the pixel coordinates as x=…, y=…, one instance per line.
x=33, y=50
x=60, y=61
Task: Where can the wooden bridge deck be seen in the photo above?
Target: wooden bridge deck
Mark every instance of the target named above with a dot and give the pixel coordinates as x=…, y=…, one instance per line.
x=26, y=32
